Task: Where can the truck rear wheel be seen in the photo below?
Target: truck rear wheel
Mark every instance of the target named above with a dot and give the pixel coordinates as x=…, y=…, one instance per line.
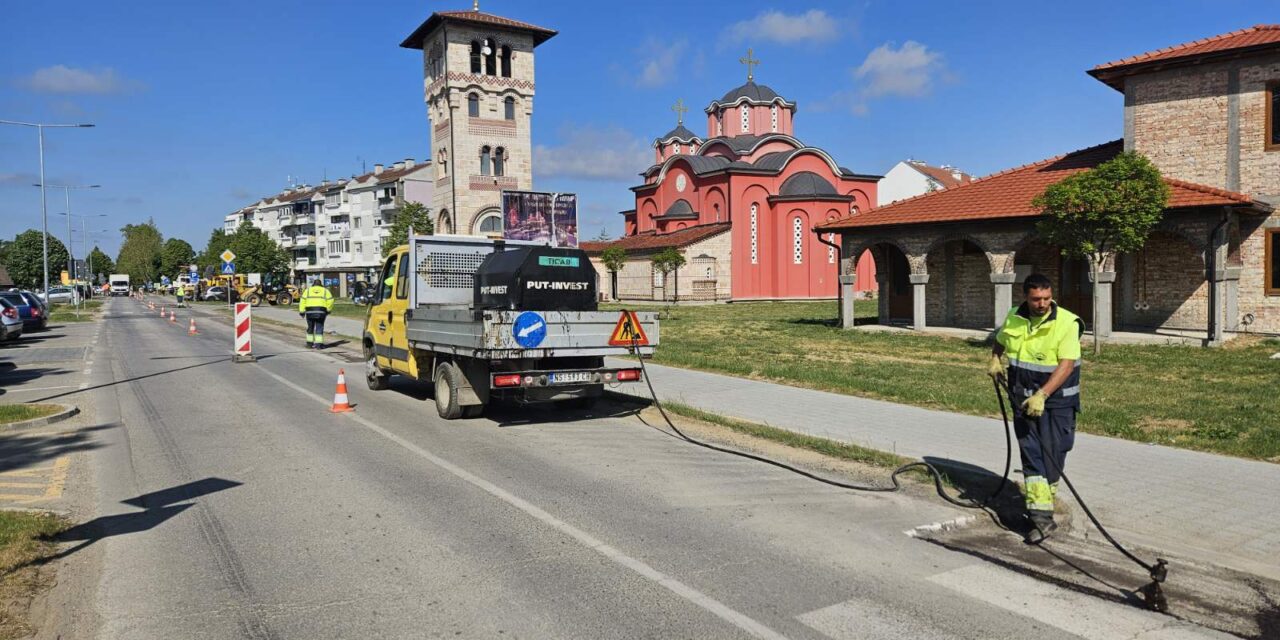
x=284, y=299
x=447, y=392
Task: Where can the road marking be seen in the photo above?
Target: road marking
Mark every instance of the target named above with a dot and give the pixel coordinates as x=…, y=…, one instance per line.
x=1076, y=613
x=52, y=488
x=706, y=602
x=860, y=619
x=59, y=480
x=22, y=485
x=21, y=389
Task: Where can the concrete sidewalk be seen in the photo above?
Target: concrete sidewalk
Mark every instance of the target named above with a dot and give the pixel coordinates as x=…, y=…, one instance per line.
x=1208, y=507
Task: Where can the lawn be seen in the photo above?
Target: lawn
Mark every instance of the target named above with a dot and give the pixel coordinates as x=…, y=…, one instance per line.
x=10, y=413
x=23, y=542
x=70, y=313
x=1221, y=400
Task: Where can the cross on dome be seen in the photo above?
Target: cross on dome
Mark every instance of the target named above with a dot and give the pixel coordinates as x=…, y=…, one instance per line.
x=750, y=63
x=680, y=110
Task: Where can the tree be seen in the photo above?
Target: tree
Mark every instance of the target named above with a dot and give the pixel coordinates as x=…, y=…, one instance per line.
x=140, y=253
x=1106, y=210
x=217, y=244
x=603, y=236
x=669, y=261
x=24, y=258
x=255, y=251
x=101, y=263
x=413, y=215
x=614, y=259
x=175, y=257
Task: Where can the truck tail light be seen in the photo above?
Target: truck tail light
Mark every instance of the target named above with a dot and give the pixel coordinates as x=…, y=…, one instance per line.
x=628, y=375
x=507, y=380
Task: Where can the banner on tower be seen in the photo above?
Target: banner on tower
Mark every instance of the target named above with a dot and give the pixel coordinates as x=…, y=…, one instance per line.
x=531, y=216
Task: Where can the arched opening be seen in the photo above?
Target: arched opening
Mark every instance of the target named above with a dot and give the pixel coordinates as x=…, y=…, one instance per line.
x=473, y=105
x=499, y=161
x=1072, y=287
x=475, y=56
x=489, y=223
x=484, y=160
x=893, y=273
x=506, y=61
x=490, y=58
x=959, y=292
x=509, y=108
x=444, y=224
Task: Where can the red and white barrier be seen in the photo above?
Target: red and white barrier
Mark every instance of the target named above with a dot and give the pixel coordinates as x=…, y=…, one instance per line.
x=244, y=333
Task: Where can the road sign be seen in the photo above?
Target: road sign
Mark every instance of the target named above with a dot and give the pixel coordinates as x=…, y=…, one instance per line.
x=529, y=329
x=228, y=268
x=227, y=256
x=628, y=332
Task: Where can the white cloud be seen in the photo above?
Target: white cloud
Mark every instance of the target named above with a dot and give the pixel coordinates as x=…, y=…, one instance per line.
x=909, y=71
x=594, y=153
x=662, y=66
x=61, y=79
x=812, y=26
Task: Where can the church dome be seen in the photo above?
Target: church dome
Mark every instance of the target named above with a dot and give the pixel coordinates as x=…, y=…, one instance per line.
x=679, y=133
x=807, y=183
x=751, y=91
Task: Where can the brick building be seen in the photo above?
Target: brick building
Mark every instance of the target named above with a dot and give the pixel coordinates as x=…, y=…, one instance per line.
x=1207, y=113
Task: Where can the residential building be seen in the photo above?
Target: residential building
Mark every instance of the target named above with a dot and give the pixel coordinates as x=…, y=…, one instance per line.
x=911, y=178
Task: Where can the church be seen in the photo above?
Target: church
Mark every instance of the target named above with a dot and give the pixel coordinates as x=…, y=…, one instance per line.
x=740, y=204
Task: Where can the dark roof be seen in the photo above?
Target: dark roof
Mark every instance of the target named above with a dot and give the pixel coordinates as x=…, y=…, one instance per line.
x=414, y=41
x=679, y=209
x=806, y=183
x=1254, y=39
x=649, y=241
x=680, y=133
x=752, y=92
x=772, y=161
x=1008, y=194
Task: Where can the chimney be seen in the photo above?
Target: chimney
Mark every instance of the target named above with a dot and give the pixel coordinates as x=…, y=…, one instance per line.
x=409, y=163
x=398, y=166
x=957, y=174
x=324, y=183
x=377, y=169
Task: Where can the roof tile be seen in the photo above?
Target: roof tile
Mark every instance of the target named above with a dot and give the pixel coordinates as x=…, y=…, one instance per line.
x=1259, y=35
x=645, y=242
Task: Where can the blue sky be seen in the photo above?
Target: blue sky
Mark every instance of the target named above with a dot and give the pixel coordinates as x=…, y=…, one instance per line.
x=202, y=107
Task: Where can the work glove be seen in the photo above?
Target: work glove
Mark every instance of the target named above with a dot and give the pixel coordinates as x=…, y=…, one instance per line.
x=1033, y=407
x=995, y=368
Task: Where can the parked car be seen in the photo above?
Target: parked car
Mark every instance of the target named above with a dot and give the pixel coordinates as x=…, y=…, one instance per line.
x=10, y=321
x=216, y=293
x=31, y=310
x=61, y=295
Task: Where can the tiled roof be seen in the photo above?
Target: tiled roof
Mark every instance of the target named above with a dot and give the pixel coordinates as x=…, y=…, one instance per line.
x=942, y=175
x=1264, y=36
x=649, y=241
x=414, y=41
x=1008, y=194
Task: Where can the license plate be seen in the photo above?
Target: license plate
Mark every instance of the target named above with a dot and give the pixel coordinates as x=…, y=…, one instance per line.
x=569, y=378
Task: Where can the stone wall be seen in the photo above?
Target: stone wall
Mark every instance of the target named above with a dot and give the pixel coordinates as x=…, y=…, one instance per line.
x=959, y=292
x=1163, y=285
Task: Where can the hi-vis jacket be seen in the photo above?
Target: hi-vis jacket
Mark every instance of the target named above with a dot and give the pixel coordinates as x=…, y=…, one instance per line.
x=1034, y=351
x=315, y=298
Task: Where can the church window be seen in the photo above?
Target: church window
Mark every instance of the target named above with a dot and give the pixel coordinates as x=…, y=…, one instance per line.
x=797, y=240
x=719, y=124
x=746, y=118
x=475, y=56
x=831, y=251
x=490, y=58
x=506, y=61
x=755, y=227
x=473, y=105
x=509, y=108
x=433, y=61
x=490, y=223
x=444, y=162
x=675, y=149
x=499, y=161
x=484, y=160
x=773, y=114
x=658, y=278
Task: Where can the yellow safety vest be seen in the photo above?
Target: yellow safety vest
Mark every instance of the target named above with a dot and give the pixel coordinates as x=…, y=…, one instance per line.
x=315, y=298
x=1035, y=346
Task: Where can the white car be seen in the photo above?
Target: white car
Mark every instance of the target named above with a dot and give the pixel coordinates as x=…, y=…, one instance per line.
x=61, y=295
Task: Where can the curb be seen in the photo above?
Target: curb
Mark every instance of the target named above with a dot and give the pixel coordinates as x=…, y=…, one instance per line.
x=66, y=412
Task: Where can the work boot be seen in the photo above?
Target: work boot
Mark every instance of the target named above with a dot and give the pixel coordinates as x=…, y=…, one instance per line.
x=1042, y=526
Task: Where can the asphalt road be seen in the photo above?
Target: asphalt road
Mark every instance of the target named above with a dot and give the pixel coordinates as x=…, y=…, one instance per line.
x=231, y=503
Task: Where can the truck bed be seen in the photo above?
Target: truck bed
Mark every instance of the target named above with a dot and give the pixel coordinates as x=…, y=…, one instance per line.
x=455, y=329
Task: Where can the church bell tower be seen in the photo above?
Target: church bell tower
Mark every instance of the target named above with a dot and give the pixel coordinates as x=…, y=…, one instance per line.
x=478, y=86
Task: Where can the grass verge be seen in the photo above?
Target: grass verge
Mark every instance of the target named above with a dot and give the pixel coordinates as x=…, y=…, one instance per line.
x=11, y=413
x=24, y=541
x=69, y=313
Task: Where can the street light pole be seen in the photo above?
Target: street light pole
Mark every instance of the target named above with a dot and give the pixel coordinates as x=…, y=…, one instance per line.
x=66, y=189
x=84, y=227
x=44, y=208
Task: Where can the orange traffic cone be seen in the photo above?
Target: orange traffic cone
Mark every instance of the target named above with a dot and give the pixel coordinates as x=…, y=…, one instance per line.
x=173, y=318
x=340, y=404
x=164, y=311
x=191, y=328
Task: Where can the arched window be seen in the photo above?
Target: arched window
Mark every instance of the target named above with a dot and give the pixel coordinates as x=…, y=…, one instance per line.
x=490, y=223
x=475, y=56
x=746, y=118
x=797, y=240
x=506, y=61
x=473, y=105
x=433, y=61
x=444, y=162
x=773, y=115
x=484, y=160
x=755, y=227
x=444, y=224
x=509, y=108
x=499, y=161
x=490, y=58
x=719, y=124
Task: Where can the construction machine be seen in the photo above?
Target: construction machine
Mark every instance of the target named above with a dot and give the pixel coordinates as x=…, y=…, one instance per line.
x=275, y=288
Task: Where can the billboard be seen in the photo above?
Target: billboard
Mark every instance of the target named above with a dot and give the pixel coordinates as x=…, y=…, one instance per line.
x=529, y=215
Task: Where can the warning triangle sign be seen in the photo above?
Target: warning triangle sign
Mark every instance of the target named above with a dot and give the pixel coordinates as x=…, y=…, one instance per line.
x=628, y=332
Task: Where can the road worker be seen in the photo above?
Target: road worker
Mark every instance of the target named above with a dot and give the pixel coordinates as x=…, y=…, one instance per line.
x=1042, y=342
x=314, y=305
x=179, y=292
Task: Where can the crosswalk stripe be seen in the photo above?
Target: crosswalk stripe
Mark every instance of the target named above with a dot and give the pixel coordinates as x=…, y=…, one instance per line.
x=859, y=619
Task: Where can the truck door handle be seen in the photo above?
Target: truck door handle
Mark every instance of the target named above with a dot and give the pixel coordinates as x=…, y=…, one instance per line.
x=388, y=316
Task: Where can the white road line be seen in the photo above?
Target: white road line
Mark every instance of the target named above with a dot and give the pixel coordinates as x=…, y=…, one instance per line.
x=1075, y=613
x=860, y=619
x=21, y=389
x=740, y=620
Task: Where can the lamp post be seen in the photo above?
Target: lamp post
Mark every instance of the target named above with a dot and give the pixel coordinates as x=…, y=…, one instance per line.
x=84, y=228
x=44, y=209
x=66, y=189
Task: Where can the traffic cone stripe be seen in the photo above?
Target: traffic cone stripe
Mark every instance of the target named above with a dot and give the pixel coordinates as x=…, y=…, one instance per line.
x=340, y=403
x=191, y=328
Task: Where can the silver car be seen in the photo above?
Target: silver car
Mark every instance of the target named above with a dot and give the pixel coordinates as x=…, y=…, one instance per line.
x=61, y=295
x=10, y=321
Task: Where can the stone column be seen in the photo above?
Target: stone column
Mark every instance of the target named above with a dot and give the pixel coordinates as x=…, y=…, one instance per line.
x=918, y=282
x=847, y=287
x=1003, y=283
x=882, y=298
x=1224, y=304
x=1102, y=298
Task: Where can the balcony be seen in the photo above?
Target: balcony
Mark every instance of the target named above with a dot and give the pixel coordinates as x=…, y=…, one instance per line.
x=285, y=242
x=385, y=204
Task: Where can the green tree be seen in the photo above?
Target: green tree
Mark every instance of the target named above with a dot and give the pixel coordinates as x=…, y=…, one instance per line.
x=102, y=263
x=255, y=251
x=209, y=257
x=669, y=261
x=413, y=215
x=1106, y=210
x=614, y=258
x=175, y=257
x=24, y=258
x=140, y=252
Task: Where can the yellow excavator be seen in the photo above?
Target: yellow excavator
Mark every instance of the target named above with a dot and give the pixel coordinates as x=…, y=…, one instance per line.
x=274, y=288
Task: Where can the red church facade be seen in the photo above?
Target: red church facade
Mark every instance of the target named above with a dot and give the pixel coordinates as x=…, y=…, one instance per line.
x=751, y=172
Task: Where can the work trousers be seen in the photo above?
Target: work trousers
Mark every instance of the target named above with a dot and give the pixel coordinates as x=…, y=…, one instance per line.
x=1043, y=443
x=315, y=328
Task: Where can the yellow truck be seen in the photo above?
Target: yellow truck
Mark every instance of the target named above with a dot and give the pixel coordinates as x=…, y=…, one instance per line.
x=486, y=320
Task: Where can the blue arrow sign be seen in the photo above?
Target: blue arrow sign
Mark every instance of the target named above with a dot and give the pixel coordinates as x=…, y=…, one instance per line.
x=529, y=329
x=228, y=268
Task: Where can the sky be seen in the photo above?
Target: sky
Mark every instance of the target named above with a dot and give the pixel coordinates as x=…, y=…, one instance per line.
x=203, y=107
